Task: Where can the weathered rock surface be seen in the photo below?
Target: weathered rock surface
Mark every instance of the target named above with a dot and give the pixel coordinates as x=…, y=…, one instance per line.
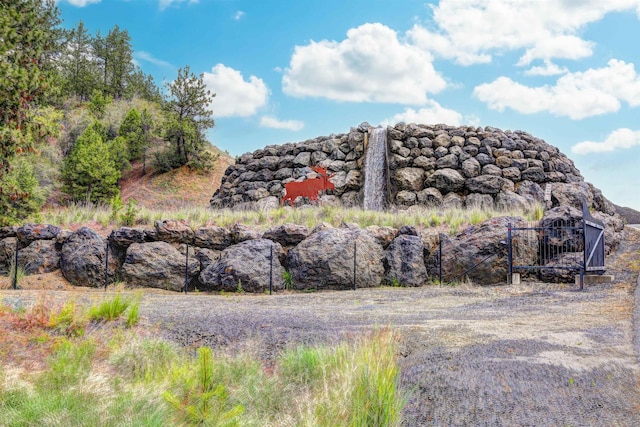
x=287, y=234
x=480, y=252
x=404, y=261
x=245, y=266
x=174, y=231
x=7, y=253
x=83, y=259
x=213, y=237
x=41, y=256
x=325, y=260
x=31, y=232
x=157, y=265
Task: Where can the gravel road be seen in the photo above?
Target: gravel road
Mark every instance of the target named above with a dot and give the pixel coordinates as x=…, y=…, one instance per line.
x=521, y=355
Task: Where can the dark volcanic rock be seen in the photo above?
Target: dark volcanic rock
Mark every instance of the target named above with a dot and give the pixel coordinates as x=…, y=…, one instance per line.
x=157, y=265
x=325, y=260
x=245, y=266
x=39, y=257
x=404, y=261
x=83, y=258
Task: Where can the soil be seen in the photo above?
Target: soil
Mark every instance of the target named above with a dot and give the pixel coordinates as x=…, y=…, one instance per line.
x=520, y=355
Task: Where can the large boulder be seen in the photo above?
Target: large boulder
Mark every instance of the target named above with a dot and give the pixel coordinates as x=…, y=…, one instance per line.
x=404, y=261
x=488, y=184
x=480, y=252
x=245, y=266
x=7, y=253
x=445, y=180
x=31, y=232
x=409, y=179
x=39, y=257
x=83, y=258
x=287, y=234
x=325, y=260
x=571, y=194
x=175, y=231
x=213, y=237
x=157, y=265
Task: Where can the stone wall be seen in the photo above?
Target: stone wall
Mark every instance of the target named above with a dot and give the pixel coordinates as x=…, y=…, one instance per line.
x=427, y=165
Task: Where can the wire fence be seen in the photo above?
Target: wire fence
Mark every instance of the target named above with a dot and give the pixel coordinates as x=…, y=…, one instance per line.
x=531, y=251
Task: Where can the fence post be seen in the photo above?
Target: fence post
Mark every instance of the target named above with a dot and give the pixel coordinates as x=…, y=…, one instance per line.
x=439, y=260
x=270, y=269
x=354, y=265
x=15, y=267
x=509, y=256
x=106, y=267
x=186, y=270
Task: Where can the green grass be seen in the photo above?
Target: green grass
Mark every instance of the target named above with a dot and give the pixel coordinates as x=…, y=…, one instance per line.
x=263, y=219
x=121, y=376
x=109, y=310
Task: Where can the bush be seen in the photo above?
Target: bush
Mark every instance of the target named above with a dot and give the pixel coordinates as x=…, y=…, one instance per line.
x=89, y=173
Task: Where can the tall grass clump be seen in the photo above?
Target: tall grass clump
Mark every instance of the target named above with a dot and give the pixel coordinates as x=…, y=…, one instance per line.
x=109, y=310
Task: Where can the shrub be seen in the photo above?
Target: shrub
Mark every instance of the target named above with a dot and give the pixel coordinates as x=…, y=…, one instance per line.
x=109, y=310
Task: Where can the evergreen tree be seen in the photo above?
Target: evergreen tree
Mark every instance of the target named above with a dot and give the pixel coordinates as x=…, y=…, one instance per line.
x=90, y=173
x=115, y=60
x=142, y=85
x=187, y=117
x=147, y=132
x=78, y=64
x=133, y=133
x=28, y=38
x=120, y=153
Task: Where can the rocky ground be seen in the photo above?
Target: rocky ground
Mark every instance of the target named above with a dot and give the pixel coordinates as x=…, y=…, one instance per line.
x=532, y=354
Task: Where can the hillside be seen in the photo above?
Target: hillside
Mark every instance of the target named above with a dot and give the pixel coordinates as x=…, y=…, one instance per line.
x=632, y=216
x=177, y=189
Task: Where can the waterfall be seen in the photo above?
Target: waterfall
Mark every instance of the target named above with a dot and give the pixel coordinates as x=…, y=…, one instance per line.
x=375, y=170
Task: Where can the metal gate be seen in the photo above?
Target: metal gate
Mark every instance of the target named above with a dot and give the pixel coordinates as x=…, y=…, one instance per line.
x=560, y=246
x=593, y=243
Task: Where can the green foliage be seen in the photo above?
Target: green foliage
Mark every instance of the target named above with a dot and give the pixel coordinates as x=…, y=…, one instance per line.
x=21, y=195
x=89, y=173
x=146, y=360
x=187, y=119
x=29, y=40
x=98, y=103
x=70, y=364
x=68, y=320
x=287, y=279
x=114, y=60
x=132, y=131
x=123, y=214
x=78, y=67
x=133, y=315
x=198, y=399
x=109, y=310
x=119, y=153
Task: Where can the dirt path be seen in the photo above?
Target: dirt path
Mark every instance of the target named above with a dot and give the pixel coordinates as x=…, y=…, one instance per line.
x=525, y=355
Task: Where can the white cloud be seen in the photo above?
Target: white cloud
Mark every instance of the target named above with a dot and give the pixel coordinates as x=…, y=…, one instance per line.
x=575, y=95
x=163, y=4
x=238, y=16
x=274, y=123
x=619, y=139
x=146, y=56
x=471, y=31
x=549, y=69
x=235, y=96
x=370, y=65
x=434, y=113
x=79, y=3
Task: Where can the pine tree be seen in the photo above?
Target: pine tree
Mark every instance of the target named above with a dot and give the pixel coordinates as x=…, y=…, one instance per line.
x=89, y=172
x=28, y=39
x=187, y=116
x=133, y=133
x=78, y=64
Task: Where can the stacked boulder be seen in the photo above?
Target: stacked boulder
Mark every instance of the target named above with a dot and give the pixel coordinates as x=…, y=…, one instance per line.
x=433, y=166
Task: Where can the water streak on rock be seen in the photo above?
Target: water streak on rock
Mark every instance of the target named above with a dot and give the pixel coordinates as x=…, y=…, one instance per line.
x=374, y=170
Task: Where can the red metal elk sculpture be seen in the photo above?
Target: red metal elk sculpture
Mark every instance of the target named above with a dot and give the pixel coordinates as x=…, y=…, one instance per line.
x=310, y=188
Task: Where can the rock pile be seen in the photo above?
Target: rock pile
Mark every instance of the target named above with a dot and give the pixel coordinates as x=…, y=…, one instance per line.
x=427, y=165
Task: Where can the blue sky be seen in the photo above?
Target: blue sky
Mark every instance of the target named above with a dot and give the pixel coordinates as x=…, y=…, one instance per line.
x=567, y=71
